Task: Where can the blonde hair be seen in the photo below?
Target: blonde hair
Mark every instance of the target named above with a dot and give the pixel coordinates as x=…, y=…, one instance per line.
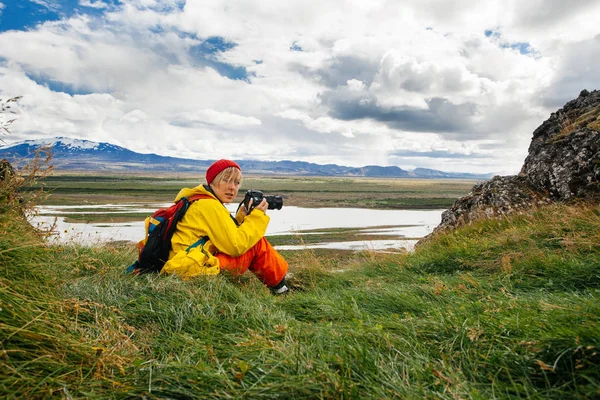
x=226, y=175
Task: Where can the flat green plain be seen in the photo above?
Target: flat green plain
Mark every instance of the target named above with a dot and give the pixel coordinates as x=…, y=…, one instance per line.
x=359, y=192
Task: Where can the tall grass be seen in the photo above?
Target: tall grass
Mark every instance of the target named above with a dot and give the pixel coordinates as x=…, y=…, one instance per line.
x=499, y=309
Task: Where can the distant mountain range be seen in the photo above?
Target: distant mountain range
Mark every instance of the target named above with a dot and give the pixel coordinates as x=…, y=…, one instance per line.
x=85, y=155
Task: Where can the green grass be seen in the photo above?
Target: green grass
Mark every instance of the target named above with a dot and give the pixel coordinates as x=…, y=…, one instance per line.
x=500, y=309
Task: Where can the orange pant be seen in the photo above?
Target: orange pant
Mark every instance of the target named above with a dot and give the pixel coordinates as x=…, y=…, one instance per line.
x=262, y=259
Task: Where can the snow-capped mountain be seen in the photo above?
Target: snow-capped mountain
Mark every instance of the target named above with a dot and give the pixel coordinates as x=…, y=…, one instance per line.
x=61, y=147
x=67, y=143
x=85, y=155
x=77, y=154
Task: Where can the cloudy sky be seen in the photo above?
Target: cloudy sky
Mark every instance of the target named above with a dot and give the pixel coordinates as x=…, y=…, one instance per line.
x=452, y=85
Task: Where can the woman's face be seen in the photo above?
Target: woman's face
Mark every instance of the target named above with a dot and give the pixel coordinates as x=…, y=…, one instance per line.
x=226, y=188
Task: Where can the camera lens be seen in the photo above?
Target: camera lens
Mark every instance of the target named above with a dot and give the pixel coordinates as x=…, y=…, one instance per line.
x=275, y=202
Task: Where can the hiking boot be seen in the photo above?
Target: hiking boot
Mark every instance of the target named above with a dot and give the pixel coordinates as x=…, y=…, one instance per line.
x=280, y=289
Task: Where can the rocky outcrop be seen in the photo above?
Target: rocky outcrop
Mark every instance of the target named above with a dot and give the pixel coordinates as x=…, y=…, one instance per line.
x=563, y=163
x=497, y=197
x=6, y=170
x=564, y=155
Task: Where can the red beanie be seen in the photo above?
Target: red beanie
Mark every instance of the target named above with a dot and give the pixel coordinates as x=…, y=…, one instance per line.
x=217, y=167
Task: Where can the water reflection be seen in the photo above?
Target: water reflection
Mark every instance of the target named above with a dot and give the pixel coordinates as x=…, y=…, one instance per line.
x=403, y=226
x=371, y=245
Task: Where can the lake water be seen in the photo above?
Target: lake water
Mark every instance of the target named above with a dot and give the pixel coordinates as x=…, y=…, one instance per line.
x=403, y=226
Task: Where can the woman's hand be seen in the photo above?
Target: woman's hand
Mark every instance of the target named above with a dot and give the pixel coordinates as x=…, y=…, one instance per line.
x=263, y=206
x=242, y=212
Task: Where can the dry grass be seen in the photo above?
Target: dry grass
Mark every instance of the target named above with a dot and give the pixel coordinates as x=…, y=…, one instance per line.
x=590, y=119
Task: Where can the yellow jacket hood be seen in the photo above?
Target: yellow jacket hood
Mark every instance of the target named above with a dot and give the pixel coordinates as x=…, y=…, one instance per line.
x=187, y=192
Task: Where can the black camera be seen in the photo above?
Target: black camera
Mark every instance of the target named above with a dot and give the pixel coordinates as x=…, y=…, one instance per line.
x=275, y=202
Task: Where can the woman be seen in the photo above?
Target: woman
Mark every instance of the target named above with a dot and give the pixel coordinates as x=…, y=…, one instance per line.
x=208, y=238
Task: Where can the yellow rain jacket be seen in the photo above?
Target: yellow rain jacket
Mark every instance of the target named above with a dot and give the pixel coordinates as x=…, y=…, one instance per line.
x=207, y=228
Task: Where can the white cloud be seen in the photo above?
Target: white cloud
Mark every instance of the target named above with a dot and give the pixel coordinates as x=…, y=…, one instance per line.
x=98, y=4
x=350, y=82
x=52, y=5
x=134, y=117
x=212, y=117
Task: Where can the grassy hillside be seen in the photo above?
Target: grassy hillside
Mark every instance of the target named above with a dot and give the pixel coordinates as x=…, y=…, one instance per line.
x=499, y=309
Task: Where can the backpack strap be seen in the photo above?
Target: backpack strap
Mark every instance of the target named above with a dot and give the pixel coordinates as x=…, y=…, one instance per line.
x=200, y=242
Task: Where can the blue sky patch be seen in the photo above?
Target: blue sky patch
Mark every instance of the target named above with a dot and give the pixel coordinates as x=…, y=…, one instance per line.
x=204, y=54
x=157, y=29
x=24, y=15
x=295, y=47
x=166, y=7
x=228, y=70
x=523, y=47
x=215, y=44
x=60, y=87
x=27, y=14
